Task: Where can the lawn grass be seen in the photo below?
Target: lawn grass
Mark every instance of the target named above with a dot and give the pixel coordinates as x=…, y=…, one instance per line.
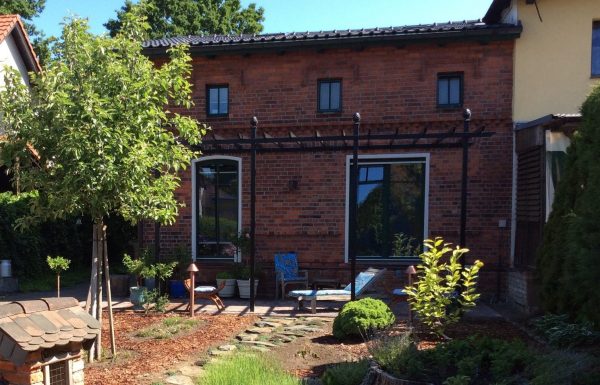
x=245, y=368
x=168, y=328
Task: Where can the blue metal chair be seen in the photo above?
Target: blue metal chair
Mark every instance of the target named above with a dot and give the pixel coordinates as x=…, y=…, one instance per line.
x=287, y=272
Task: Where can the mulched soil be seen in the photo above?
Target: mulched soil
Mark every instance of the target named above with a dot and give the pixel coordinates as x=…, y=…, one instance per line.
x=139, y=357
x=310, y=356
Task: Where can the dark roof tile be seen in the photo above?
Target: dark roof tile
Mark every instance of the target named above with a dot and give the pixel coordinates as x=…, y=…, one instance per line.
x=245, y=40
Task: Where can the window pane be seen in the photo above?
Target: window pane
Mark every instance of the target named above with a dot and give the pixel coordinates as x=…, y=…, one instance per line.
x=323, y=96
x=213, y=101
x=596, y=49
x=223, y=100
x=369, y=213
x=454, y=97
x=407, y=204
x=391, y=210
x=442, y=91
x=335, y=96
x=217, y=208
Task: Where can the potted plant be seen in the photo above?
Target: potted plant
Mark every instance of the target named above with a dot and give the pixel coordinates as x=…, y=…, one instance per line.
x=242, y=274
x=228, y=290
x=135, y=267
x=182, y=259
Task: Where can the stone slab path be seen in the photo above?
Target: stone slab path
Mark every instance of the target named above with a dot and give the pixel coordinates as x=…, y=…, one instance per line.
x=266, y=335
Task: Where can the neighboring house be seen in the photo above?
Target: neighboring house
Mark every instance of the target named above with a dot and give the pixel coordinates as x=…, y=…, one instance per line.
x=557, y=62
x=16, y=52
x=411, y=79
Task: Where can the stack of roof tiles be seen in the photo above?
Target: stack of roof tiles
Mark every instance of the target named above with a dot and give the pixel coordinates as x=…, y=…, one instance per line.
x=28, y=326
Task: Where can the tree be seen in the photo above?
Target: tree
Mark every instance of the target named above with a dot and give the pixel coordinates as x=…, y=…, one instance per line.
x=569, y=258
x=58, y=264
x=105, y=140
x=28, y=9
x=193, y=17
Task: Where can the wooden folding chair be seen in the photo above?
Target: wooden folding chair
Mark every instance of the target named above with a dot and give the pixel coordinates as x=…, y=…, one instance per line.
x=205, y=292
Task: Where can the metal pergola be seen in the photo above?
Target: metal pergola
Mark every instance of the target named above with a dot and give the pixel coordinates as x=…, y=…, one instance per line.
x=343, y=142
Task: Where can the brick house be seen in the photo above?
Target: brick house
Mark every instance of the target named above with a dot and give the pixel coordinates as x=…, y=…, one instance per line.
x=412, y=79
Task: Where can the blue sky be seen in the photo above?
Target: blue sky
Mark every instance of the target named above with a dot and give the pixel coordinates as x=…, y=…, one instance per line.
x=294, y=15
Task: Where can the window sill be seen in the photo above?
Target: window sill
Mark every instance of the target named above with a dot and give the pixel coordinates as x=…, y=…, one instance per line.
x=449, y=108
x=595, y=76
x=330, y=113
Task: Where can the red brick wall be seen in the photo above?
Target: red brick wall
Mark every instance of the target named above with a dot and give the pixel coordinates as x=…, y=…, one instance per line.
x=393, y=88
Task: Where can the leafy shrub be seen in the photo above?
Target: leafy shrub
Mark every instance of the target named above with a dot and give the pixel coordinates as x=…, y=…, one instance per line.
x=568, y=267
x=564, y=367
x=247, y=369
x=443, y=290
x=361, y=317
x=225, y=275
x=397, y=354
x=560, y=333
x=345, y=373
x=472, y=361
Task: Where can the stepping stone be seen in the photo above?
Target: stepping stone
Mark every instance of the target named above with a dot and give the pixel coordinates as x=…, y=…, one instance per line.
x=281, y=321
x=283, y=338
x=303, y=328
x=259, y=343
x=263, y=324
x=259, y=330
x=179, y=379
x=247, y=337
x=295, y=333
x=218, y=353
x=227, y=348
x=192, y=371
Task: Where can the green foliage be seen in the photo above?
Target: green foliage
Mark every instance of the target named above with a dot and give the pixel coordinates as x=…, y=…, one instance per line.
x=405, y=245
x=169, y=327
x=444, y=289
x=47, y=282
x=193, y=17
x=58, y=264
x=564, y=367
x=29, y=247
x=473, y=361
x=345, y=373
x=225, y=275
x=362, y=317
x=560, y=333
x=134, y=266
x=28, y=10
x=97, y=118
x=396, y=353
x=569, y=258
x=247, y=369
x=154, y=300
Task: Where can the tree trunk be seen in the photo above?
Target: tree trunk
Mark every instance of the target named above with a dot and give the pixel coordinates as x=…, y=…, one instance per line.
x=99, y=255
x=111, y=322
x=58, y=285
x=92, y=302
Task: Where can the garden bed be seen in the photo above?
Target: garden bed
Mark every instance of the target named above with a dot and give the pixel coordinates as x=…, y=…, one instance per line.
x=139, y=358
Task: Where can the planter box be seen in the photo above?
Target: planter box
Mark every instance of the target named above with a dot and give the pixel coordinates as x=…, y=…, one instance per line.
x=244, y=287
x=177, y=288
x=229, y=289
x=136, y=295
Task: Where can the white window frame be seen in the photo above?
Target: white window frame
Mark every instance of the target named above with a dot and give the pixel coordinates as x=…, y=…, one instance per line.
x=66, y=360
x=385, y=159
x=195, y=162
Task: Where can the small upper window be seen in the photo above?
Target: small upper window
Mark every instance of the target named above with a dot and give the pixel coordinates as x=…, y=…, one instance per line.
x=330, y=95
x=450, y=90
x=596, y=49
x=217, y=100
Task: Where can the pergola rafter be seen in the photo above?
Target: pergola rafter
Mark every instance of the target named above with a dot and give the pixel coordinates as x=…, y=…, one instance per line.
x=396, y=140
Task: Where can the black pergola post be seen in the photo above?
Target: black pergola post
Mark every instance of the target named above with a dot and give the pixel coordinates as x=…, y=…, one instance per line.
x=253, y=123
x=465, y=178
x=353, y=203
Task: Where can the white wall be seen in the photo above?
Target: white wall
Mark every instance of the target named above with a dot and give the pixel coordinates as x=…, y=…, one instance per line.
x=10, y=56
